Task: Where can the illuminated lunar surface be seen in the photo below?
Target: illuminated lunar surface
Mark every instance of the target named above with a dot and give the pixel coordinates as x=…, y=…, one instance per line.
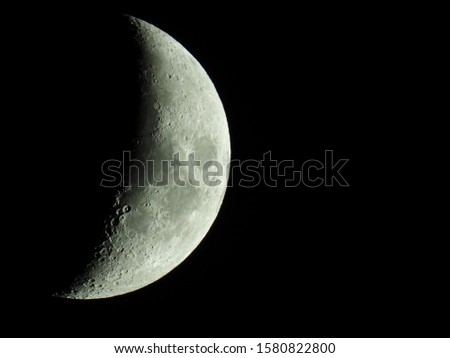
x=151, y=229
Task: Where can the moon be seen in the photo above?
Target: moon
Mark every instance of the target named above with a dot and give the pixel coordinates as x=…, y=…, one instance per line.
x=151, y=227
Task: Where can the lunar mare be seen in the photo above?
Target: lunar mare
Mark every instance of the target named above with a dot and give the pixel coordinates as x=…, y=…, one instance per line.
x=151, y=229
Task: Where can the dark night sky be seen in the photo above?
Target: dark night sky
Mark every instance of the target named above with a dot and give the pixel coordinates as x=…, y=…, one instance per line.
x=328, y=261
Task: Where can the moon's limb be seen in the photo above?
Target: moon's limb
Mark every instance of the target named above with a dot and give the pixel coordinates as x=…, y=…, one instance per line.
x=152, y=229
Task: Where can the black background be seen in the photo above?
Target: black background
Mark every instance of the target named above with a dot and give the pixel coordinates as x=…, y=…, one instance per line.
x=358, y=261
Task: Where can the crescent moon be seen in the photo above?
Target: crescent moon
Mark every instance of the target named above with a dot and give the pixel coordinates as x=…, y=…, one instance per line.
x=152, y=228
